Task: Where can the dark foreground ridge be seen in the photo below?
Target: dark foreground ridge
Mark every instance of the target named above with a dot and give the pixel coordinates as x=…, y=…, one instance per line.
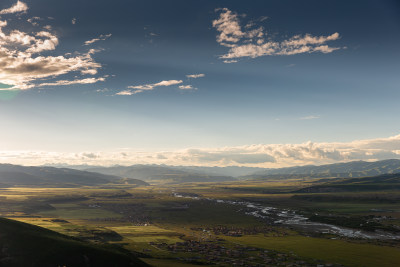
x=27, y=245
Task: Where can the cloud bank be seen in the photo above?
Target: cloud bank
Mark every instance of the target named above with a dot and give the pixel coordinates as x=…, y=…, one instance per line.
x=253, y=41
x=260, y=155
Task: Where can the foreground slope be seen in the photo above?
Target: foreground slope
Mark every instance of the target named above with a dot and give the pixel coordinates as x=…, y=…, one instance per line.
x=23, y=244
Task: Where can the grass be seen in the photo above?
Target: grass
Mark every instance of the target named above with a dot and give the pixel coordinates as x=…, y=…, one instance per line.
x=80, y=213
x=334, y=251
x=170, y=225
x=167, y=263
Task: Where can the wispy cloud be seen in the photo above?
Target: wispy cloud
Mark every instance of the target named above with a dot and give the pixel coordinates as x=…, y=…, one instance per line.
x=18, y=7
x=310, y=117
x=100, y=38
x=187, y=87
x=71, y=82
x=230, y=61
x=195, y=76
x=127, y=92
x=259, y=155
x=23, y=61
x=34, y=21
x=253, y=42
x=148, y=87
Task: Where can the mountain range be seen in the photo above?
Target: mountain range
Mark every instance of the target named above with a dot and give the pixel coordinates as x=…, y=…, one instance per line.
x=16, y=175
x=339, y=170
x=169, y=174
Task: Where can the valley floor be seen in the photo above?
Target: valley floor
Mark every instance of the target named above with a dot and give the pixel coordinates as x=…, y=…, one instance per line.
x=201, y=223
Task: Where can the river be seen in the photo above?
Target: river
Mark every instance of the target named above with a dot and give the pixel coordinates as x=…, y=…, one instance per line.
x=288, y=217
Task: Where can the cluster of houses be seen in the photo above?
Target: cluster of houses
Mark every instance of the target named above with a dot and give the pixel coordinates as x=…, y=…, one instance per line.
x=240, y=231
x=212, y=252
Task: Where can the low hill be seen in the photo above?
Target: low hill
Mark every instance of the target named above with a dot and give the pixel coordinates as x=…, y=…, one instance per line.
x=375, y=183
x=340, y=170
x=161, y=173
x=28, y=245
x=15, y=175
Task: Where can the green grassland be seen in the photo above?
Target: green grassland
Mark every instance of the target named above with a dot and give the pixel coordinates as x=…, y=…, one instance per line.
x=139, y=218
x=334, y=251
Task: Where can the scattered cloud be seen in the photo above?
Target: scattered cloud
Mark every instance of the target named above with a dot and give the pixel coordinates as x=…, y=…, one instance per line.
x=261, y=155
x=104, y=90
x=23, y=59
x=34, y=21
x=255, y=42
x=18, y=7
x=100, y=38
x=195, y=76
x=187, y=87
x=73, y=21
x=311, y=117
x=71, y=82
x=127, y=92
x=230, y=61
x=148, y=87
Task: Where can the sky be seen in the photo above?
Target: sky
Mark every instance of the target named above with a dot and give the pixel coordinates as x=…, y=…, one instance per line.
x=208, y=83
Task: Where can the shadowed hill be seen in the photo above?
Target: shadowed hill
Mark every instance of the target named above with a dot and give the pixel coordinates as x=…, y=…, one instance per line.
x=375, y=183
x=340, y=170
x=15, y=175
x=161, y=173
x=27, y=245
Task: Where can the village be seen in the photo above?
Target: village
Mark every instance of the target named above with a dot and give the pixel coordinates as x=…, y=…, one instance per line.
x=217, y=252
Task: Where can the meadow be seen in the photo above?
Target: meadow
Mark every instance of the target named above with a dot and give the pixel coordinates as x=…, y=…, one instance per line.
x=152, y=222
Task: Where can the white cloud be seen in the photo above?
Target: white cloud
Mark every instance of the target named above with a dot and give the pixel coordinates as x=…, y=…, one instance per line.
x=104, y=90
x=195, y=76
x=23, y=61
x=187, y=87
x=126, y=92
x=100, y=38
x=230, y=61
x=261, y=155
x=148, y=87
x=70, y=82
x=252, y=42
x=34, y=20
x=18, y=7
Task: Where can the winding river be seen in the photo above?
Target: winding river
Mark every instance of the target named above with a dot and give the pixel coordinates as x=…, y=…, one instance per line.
x=289, y=217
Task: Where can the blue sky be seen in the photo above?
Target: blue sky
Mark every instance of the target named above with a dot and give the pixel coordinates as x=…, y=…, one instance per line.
x=93, y=80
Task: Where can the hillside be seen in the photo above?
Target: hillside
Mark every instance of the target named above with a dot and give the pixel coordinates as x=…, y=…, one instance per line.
x=161, y=173
x=28, y=245
x=15, y=175
x=375, y=183
x=339, y=170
